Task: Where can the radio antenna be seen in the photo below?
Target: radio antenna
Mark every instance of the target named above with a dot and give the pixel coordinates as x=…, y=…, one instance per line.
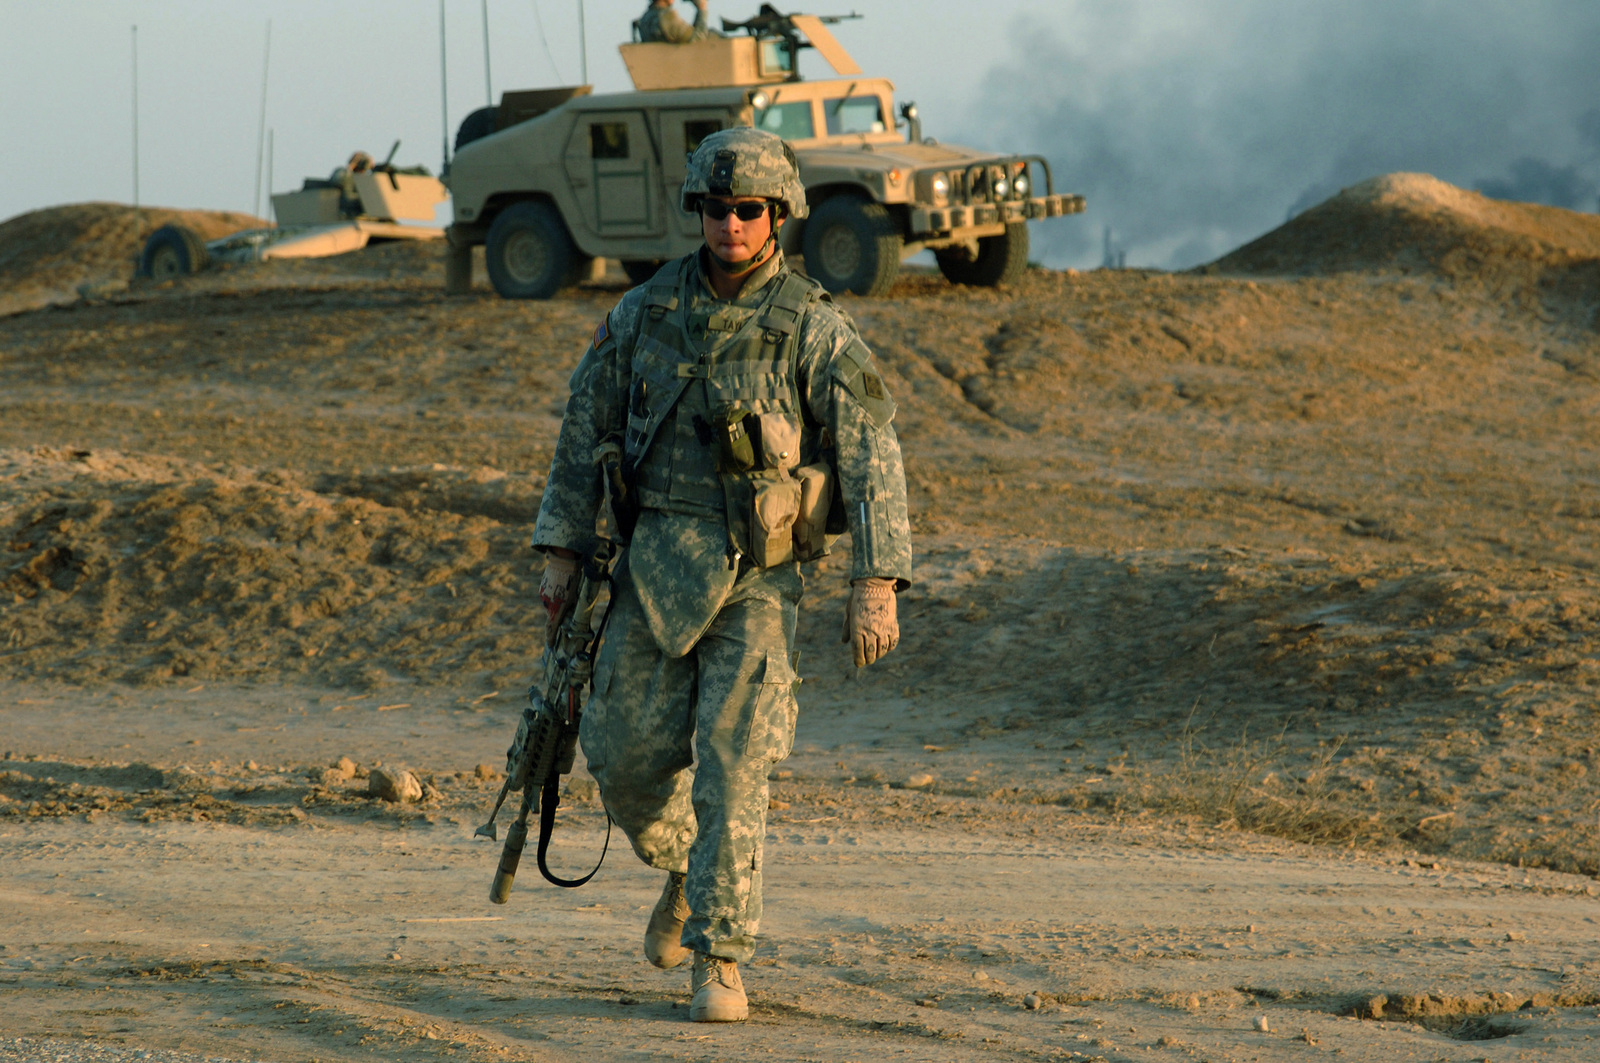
x=136, y=121
x=488, y=84
x=261, y=128
x=444, y=92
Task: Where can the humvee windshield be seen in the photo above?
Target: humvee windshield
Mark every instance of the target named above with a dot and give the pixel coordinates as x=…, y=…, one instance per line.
x=861, y=114
x=791, y=121
x=775, y=57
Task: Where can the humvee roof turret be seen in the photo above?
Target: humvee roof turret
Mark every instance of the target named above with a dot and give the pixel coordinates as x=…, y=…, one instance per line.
x=554, y=178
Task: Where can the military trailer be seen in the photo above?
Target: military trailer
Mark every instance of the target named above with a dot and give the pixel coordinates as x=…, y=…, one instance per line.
x=552, y=179
x=359, y=203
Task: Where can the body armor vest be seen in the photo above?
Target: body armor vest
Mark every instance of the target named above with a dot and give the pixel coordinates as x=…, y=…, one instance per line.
x=683, y=387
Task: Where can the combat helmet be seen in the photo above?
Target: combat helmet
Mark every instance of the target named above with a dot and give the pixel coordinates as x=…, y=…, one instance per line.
x=744, y=162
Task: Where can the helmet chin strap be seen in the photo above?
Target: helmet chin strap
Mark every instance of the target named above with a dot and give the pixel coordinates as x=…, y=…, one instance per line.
x=741, y=266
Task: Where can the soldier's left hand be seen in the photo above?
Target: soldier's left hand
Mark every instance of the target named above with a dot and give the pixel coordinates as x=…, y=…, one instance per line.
x=557, y=589
x=871, y=626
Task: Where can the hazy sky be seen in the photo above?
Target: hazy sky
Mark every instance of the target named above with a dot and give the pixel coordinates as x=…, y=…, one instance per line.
x=1192, y=125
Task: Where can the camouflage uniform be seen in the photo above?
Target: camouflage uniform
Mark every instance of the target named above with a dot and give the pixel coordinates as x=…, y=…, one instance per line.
x=665, y=24
x=694, y=692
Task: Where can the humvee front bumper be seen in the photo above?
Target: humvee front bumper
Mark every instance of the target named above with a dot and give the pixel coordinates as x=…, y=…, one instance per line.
x=929, y=220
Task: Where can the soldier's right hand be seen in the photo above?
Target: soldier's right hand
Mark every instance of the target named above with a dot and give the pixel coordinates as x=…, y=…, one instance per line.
x=557, y=589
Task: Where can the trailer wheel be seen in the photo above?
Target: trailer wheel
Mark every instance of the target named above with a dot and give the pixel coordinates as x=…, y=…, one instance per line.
x=852, y=244
x=1000, y=260
x=173, y=251
x=529, y=253
x=476, y=126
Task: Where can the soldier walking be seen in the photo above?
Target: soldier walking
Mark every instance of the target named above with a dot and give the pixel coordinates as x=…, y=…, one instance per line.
x=743, y=401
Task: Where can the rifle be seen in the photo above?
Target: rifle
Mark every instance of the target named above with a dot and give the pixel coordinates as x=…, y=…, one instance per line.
x=547, y=734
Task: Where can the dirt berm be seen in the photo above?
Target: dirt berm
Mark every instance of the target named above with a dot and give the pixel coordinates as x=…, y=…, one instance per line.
x=59, y=255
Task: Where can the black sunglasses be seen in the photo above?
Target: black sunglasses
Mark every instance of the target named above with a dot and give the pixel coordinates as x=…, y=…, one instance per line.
x=717, y=210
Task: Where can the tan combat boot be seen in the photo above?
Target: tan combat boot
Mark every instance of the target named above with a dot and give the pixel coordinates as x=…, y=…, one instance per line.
x=718, y=993
x=663, y=936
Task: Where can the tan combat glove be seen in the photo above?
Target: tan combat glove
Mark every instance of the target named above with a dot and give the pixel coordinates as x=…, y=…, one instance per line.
x=870, y=625
x=557, y=589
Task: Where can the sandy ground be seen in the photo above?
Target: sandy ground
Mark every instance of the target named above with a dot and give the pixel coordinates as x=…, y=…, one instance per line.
x=1249, y=675
x=245, y=911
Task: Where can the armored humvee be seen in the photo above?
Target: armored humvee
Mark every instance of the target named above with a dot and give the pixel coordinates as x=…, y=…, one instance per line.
x=551, y=179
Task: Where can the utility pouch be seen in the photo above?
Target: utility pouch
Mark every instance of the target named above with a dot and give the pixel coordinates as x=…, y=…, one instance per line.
x=736, y=451
x=811, y=538
x=773, y=509
x=778, y=441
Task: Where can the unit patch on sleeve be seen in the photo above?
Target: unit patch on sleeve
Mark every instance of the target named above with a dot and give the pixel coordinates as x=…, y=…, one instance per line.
x=602, y=331
x=853, y=368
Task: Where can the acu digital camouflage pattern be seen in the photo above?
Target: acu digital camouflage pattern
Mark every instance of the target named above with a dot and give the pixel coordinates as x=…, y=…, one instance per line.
x=665, y=24
x=697, y=663
x=762, y=165
x=727, y=708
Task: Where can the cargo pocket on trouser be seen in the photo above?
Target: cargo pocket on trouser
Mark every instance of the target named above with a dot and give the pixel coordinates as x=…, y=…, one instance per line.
x=772, y=722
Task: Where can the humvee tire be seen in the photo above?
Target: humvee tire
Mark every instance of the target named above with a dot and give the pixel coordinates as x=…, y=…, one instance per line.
x=477, y=125
x=173, y=251
x=852, y=244
x=1001, y=259
x=640, y=270
x=529, y=253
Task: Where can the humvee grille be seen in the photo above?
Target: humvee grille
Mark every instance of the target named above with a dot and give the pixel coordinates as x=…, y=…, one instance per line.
x=995, y=191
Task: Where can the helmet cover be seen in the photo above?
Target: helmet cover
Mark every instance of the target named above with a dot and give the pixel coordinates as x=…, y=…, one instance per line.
x=744, y=161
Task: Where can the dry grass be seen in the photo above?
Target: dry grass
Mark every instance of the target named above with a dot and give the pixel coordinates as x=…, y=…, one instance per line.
x=1269, y=786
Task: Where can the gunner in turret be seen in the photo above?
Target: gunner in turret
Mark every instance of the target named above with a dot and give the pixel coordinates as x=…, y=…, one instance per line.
x=660, y=23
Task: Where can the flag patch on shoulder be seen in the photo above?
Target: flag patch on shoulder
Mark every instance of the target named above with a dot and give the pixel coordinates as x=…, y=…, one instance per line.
x=602, y=331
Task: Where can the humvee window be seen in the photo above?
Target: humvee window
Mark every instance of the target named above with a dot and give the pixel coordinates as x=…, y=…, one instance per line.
x=696, y=131
x=791, y=121
x=608, y=140
x=864, y=114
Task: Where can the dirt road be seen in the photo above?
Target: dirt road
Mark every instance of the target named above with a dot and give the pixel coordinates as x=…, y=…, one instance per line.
x=900, y=923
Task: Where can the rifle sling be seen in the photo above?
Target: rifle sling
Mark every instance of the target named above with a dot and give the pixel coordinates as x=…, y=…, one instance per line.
x=551, y=795
x=547, y=822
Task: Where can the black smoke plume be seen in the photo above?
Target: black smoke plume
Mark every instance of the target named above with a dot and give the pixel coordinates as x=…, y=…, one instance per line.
x=1193, y=128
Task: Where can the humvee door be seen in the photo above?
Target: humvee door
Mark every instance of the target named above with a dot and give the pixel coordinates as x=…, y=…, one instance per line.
x=611, y=167
x=682, y=130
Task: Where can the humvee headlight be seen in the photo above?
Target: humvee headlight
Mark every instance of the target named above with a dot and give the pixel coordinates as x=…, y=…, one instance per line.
x=759, y=101
x=1022, y=184
x=941, y=187
x=1001, y=187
